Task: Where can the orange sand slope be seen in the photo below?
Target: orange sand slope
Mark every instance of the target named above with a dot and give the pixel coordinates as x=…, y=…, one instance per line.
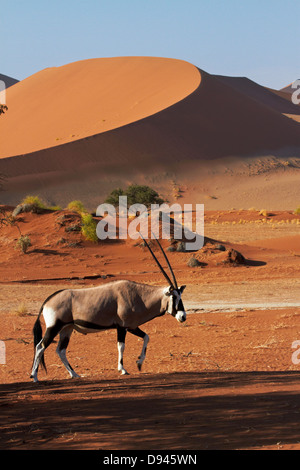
x=62, y=104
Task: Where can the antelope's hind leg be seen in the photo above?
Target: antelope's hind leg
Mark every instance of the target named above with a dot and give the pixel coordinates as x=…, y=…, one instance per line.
x=49, y=336
x=121, y=347
x=64, y=338
x=145, y=337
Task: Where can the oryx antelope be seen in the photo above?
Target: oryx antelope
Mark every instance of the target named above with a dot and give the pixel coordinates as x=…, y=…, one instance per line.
x=120, y=305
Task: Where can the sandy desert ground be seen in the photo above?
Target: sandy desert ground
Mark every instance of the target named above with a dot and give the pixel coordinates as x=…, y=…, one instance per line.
x=225, y=379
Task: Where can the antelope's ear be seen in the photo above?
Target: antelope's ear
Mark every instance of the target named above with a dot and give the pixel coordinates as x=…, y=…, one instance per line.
x=168, y=290
x=182, y=288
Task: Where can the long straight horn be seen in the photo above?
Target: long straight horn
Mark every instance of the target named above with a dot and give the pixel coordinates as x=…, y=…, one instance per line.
x=168, y=262
x=158, y=263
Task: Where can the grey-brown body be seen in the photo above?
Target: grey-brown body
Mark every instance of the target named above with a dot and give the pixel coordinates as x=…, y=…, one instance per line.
x=124, y=305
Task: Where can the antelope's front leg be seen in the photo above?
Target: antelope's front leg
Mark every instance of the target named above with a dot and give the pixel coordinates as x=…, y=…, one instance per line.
x=145, y=337
x=121, y=347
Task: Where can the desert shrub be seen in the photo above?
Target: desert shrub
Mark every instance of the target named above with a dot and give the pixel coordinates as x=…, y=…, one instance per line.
x=29, y=204
x=113, y=198
x=3, y=108
x=34, y=204
x=88, y=228
x=264, y=213
x=297, y=211
x=7, y=218
x=21, y=310
x=135, y=194
x=76, y=206
x=143, y=195
x=23, y=243
x=34, y=201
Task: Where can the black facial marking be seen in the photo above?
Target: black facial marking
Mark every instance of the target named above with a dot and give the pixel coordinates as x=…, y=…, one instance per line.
x=180, y=306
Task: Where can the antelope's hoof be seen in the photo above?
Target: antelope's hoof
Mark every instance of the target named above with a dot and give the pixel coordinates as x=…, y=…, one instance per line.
x=139, y=365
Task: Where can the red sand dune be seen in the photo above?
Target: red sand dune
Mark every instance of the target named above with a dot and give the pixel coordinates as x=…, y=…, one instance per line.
x=160, y=120
x=62, y=104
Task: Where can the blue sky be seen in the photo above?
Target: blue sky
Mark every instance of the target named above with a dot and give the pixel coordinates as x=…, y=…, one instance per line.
x=254, y=38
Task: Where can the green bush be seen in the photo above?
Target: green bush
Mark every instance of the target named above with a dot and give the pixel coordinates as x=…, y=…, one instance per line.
x=113, y=198
x=34, y=201
x=76, y=206
x=297, y=211
x=135, y=194
x=88, y=228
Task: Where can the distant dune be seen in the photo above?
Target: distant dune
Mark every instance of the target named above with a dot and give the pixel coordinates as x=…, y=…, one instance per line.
x=78, y=131
x=9, y=81
x=281, y=103
x=288, y=89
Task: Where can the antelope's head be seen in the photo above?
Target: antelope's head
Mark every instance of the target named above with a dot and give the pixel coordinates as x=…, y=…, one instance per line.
x=175, y=304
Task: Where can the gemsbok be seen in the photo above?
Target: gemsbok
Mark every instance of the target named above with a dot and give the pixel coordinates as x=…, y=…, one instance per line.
x=121, y=305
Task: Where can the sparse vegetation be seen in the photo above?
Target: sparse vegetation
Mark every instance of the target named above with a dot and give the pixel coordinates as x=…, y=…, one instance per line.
x=264, y=213
x=33, y=204
x=6, y=219
x=29, y=204
x=23, y=243
x=297, y=211
x=88, y=228
x=113, y=198
x=135, y=194
x=3, y=108
x=21, y=310
x=86, y=224
x=34, y=200
x=76, y=206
